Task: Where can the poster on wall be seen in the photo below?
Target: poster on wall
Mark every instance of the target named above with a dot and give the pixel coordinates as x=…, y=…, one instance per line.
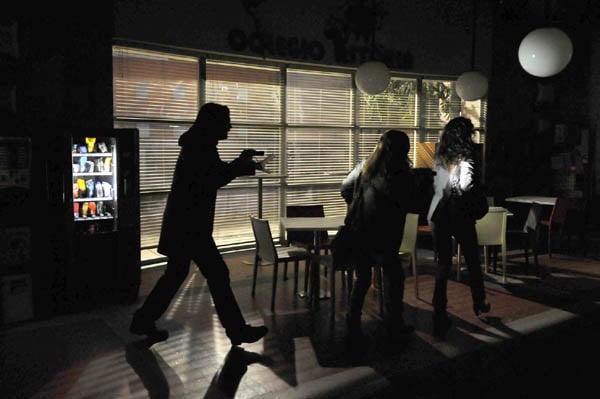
x=15, y=162
x=15, y=246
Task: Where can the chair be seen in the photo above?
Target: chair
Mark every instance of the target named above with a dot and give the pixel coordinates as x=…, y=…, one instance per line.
x=491, y=231
x=529, y=234
x=305, y=239
x=408, y=249
x=347, y=277
x=558, y=218
x=266, y=251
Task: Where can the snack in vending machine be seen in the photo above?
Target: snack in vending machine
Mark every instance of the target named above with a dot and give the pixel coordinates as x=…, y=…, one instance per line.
x=99, y=165
x=99, y=189
x=92, y=208
x=90, y=188
x=84, y=209
x=107, y=164
x=90, y=141
x=89, y=167
x=75, y=190
x=76, y=209
x=102, y=146
x=107, y=188
x=100, y=208
x=81, y=186
x=82, y=164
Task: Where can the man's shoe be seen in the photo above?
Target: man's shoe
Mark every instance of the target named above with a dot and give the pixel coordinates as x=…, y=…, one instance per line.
x=482, y=307
x=141, y=326
x=248, y=334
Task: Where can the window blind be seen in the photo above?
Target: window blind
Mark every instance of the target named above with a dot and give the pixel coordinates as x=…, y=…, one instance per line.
x=253, y=95
x=150, y=89
x=154, y=85
x=317, y=127
x=319, y=140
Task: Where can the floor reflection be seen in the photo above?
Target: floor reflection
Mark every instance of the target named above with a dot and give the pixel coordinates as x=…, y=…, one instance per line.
x=159, y=379
x=227, y=379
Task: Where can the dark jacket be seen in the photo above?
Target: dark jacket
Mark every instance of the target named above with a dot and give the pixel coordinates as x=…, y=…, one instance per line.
x=383, y=209
x=190, y=211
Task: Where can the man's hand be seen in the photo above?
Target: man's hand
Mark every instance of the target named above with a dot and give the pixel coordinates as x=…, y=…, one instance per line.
x=247, y=154
x=261, y=165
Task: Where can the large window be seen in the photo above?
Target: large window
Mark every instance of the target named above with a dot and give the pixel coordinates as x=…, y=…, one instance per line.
x=253, y=94
x=158, y=94
x=314, y=122
x=319, y=146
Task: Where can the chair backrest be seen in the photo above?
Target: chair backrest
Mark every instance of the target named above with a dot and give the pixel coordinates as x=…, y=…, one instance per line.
x=411, y=227
x=304, y=237
x=560, y=209
x=491, y=229
x=265, y=247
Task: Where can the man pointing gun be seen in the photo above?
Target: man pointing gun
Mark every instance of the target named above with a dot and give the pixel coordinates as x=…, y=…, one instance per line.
x=187, y=227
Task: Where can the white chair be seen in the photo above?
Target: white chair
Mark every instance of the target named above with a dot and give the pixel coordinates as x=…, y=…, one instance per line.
x=491, y=231
x=347, y=278
x=267, y=252
x=408, y=247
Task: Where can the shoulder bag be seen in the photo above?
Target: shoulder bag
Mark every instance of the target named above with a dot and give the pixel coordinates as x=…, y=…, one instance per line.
x=345, y=246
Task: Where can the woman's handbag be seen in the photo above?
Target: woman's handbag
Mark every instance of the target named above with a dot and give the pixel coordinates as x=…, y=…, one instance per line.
x=476, y=202
x=345, y=246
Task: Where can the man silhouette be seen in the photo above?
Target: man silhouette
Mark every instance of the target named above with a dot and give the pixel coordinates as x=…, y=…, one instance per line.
x=186, y=232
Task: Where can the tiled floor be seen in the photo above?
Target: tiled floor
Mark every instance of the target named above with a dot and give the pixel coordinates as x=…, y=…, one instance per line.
x=536, y=339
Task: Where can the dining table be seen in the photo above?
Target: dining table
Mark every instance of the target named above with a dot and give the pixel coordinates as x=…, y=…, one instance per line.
x=316, y=225
x=519, y=205
x=528, y=199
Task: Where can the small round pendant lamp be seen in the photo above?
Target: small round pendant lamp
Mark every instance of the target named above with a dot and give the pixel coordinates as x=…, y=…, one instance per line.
x=471, y=86
x=372, y=77
x=545, y=52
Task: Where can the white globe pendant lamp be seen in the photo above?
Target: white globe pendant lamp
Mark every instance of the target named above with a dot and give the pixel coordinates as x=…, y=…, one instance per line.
x=545, y=52
x=372, y=77
x=471, y=86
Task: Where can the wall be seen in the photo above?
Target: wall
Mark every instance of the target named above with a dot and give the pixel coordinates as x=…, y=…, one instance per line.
x=524, y=109
x=427, y=37
x=432, y=37
x=63, y=78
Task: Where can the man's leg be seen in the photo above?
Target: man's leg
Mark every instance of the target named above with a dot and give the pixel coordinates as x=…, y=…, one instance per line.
x=160, y=297
x=213, y=267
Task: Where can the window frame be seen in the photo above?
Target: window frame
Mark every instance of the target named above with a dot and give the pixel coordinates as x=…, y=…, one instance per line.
x=362, y=134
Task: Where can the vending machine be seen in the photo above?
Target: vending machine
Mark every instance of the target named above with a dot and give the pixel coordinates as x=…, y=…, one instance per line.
x=92, y=239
